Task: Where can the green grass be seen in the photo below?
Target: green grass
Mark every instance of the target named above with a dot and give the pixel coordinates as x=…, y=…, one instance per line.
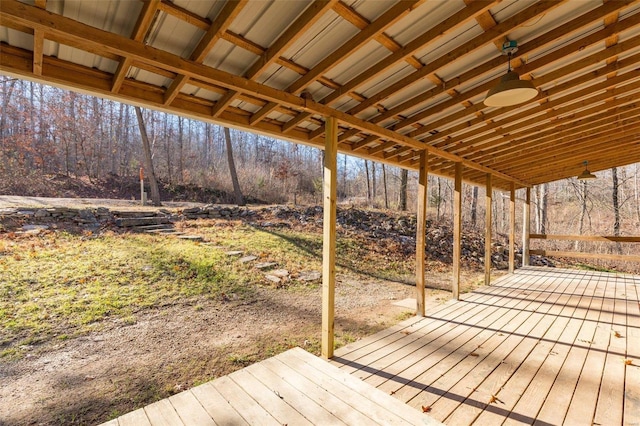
x=60, y=285
x=63, y=282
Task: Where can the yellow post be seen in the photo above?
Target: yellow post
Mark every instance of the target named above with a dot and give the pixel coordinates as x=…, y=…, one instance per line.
x=457, y=231
x=512, y=228
x=526, y=228
x=487, y=230
x=421, y=234
x=329, y=235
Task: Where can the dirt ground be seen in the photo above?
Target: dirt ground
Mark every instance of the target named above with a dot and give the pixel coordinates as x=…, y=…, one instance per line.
x=119, y=367
x=92, y=378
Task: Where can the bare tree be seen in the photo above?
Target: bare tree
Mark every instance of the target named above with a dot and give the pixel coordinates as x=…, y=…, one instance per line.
x=384, y=182
x=636, y=191
x=366, y=169
x=616, y=206
x=148, y=159
x=232, y=169
x=474, y=206
x=404, y=178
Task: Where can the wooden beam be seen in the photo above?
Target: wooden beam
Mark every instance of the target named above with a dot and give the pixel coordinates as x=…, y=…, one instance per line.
x=596, y=256
x=485, y=38
x=512, y=228
x=272, y=54
x=602, y=238
x=421, y=231
x=148, y=12
x=487, y=230
x=443, y=28
x=526, y=227
x=387, y=19
x=223, y=21
x=329, y=235
x=38, y=46
x=523, y=52
x=457, y=231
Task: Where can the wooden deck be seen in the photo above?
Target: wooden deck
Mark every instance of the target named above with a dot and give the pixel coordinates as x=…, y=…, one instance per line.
x=542, y=346
x=294, y=388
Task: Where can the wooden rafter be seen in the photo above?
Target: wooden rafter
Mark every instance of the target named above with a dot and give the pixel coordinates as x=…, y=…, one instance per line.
x=215, y=31
x=585, y=65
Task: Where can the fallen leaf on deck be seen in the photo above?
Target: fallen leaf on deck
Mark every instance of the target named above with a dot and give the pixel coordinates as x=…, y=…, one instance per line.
x=615, y=333
x=426, y=409
x=473, y=354
x=628, y=362
x=494, y=399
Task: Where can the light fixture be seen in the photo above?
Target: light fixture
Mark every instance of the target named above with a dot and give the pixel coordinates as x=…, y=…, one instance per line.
x=511, y=90
x=586, y=174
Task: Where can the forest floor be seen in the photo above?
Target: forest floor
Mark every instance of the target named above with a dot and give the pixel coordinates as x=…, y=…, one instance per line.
x=96, y=324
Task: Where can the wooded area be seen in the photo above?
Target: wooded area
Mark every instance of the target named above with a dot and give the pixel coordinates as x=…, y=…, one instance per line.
x=47, y=131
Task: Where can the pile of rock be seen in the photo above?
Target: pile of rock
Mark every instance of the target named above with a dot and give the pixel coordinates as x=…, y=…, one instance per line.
x=212, y=211
x=88, y=217
x=399, y=228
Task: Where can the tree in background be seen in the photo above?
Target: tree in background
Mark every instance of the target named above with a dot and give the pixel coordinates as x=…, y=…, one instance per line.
x=232, y=169
x=148, y=160
x=616, y=206
x=404, y=178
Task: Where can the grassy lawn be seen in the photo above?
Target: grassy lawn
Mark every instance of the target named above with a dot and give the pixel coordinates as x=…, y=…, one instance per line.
x=58, y=285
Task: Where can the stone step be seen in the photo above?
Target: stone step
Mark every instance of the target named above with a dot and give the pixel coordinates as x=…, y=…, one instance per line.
x=126, y=222
x=190, y=237
x=167, y=231
x=134, y=213
x=155, y=227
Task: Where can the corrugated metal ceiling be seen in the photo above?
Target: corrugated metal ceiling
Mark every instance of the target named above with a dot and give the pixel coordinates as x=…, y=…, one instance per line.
x=417, y=80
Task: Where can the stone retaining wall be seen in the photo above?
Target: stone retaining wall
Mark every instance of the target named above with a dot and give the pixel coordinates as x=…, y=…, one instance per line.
x=95, y=217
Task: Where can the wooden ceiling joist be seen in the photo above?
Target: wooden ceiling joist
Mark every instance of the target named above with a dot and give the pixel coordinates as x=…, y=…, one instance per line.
x=585, y=99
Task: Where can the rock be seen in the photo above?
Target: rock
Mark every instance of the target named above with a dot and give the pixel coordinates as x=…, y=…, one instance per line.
x=190, y=237
x=309, y=276
x=234, y=253
x=282, y=273
x=265, y=265
x=273, y=278
x=248, y=259
x=35, y=228
x=41, y=213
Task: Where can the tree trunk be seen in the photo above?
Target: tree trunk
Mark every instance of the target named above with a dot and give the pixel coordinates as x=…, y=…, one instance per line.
x=180, y=150
x=373, y=183
x=237, y=193
x=636, y=192
x=384, y=182
x=404, y=178
x=474, y=207
x=616, y=207
x=543, y=208
x=148, y=160
x=366, y=169
x=438, y=199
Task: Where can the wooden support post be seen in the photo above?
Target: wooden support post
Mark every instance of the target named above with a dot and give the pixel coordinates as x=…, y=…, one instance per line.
x=526, y=228
x=421, y=234
x=329, y=235
x=512, y=228
x=487, y=230
x=457, y=231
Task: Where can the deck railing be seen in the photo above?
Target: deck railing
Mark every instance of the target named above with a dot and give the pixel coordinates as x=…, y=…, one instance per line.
x=583, y=255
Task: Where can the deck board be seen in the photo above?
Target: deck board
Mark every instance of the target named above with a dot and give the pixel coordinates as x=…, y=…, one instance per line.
x=542, y=346
x=546, y=345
